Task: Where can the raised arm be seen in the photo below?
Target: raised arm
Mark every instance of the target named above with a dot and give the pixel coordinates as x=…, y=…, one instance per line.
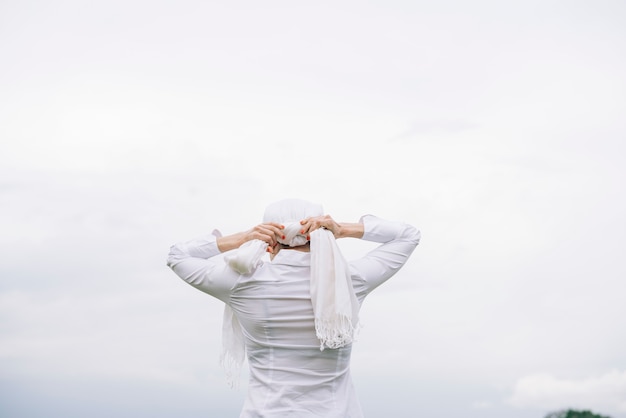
x=339, y=229
x=268, y=232
x=398, y=240
x=196, y=263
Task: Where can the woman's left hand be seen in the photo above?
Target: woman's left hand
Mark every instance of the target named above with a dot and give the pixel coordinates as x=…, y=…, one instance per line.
x=327, y=222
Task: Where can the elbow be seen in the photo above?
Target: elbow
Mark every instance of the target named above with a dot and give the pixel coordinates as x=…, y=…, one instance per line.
x=174, y=256
x=412, y=234
x=418, y=236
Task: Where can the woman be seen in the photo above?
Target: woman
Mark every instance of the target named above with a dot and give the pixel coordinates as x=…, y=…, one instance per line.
x=294, y=316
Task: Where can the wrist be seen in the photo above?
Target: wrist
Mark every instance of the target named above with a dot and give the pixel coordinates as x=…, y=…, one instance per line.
x=350, y=230
x=231, y=242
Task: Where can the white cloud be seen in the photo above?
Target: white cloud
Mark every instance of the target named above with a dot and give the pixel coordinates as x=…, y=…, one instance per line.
x=605, y=393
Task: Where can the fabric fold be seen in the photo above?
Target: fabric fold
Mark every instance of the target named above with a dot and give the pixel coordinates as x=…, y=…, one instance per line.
x=335, y=306
x=233, y=347
x=247, y=258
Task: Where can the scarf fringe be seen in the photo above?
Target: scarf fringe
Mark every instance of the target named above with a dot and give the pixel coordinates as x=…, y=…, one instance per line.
x=233, y=347
x=335, y=332
x=232, y=369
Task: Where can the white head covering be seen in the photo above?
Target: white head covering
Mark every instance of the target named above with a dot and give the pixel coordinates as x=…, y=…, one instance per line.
x=335, y=305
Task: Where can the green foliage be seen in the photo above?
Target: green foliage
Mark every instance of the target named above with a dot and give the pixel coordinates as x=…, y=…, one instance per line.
x=571, y=413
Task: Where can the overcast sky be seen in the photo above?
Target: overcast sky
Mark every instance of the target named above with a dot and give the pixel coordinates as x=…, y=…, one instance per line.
x=497, y=128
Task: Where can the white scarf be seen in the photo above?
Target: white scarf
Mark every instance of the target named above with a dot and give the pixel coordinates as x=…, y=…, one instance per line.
x=335, y=305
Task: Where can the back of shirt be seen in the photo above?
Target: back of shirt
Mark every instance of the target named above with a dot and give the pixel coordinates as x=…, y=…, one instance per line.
x=289, y=375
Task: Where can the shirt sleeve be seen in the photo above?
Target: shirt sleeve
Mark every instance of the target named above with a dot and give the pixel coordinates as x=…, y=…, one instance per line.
x=398, y=240
x=196, y=262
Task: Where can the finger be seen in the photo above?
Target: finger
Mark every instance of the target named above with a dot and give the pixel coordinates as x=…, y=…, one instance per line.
x=323, y=222
x=272, y=232
x=277, y=229
x=264, y=234
x=309, y=225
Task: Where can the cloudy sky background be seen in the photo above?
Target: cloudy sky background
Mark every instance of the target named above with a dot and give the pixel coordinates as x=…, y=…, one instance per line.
x=497, y=128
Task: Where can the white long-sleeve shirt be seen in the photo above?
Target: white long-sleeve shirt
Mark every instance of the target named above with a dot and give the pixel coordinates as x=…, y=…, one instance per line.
x=289, y=375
